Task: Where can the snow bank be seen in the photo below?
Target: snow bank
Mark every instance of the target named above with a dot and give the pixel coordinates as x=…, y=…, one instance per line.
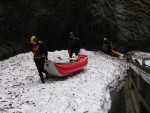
x=140, y=55
x=86, y=91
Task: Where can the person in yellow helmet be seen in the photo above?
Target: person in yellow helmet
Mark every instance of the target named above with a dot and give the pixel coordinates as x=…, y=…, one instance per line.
x=40, y=54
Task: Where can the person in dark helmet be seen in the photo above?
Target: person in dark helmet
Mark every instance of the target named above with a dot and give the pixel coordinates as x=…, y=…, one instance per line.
x=73, y=45
x=107, y=46
x=40, y=55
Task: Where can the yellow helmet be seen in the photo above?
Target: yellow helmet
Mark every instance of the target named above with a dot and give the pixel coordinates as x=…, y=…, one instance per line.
x=33, y=39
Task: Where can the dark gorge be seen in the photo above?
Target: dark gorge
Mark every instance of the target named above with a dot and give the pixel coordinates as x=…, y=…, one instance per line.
x=125, y=23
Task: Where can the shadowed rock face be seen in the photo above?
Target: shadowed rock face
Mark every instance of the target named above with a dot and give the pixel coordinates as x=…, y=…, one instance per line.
x=125, y=23
x=132, y=18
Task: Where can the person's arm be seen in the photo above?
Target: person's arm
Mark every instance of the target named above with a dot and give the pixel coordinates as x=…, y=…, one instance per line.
x=31, y=46
x=43, y=50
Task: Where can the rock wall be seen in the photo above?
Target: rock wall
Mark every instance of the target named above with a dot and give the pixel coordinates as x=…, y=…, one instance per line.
x=133, y=20
x=125, y=23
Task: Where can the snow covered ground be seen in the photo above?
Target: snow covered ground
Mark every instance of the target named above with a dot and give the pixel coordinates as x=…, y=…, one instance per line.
x=86, y=91
x=139, y=55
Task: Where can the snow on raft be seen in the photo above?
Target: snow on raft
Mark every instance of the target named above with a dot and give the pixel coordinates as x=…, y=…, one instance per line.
x=66, y=66
x=82, y=92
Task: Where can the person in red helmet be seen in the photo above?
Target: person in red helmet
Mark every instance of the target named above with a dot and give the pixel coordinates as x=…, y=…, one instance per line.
x=40, y=55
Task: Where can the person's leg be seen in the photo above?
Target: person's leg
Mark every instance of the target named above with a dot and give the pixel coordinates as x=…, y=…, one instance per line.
x=76, y=52
x=42, y=67
x=39, y=68
x=71, y=53
x=46, y=73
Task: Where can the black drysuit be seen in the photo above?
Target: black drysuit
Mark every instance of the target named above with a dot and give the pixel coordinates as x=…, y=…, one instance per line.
x=73, y=46
x=40, y=54
x=109, y=46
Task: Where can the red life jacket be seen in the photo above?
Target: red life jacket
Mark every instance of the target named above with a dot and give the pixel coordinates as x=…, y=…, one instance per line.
x=35, y=49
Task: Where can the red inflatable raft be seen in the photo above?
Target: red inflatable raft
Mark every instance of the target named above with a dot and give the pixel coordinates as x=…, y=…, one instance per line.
x=66, y=66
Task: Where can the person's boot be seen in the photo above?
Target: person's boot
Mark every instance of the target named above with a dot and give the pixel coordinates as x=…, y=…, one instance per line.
x=43, y=81
x=46, y=73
